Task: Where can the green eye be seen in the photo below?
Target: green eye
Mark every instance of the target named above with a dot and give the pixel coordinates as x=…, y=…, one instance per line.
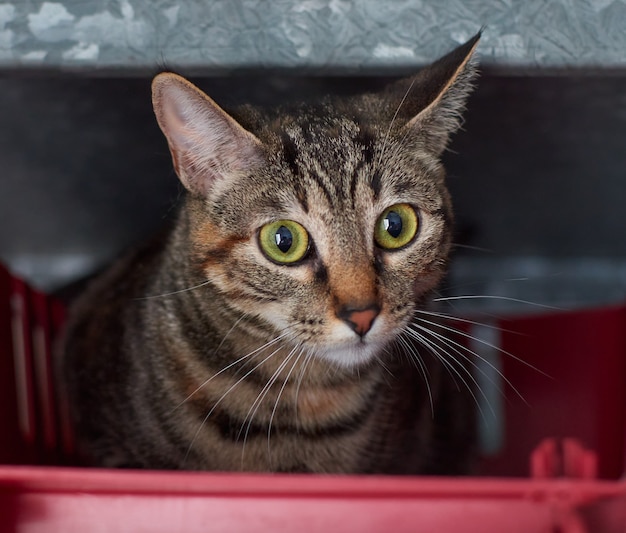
x=396, y=227
x=284, y=241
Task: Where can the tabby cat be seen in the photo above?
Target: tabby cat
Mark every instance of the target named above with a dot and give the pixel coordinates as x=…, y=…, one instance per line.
x=272, y=328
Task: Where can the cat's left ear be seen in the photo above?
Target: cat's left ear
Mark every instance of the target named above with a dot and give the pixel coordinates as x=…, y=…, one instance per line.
x=435, y=98
x=209, y=148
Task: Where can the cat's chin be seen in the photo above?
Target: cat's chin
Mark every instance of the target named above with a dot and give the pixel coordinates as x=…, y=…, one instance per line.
x=352, y=355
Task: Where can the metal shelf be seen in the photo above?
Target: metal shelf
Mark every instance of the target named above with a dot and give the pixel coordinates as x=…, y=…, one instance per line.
x=318, y=35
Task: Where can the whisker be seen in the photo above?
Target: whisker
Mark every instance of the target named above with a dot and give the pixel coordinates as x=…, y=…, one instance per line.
x=416, y=359
x=451, y=345
x=424, y=341
x=475, y=248
x=220, y=400
x=244, y=315
x=395, y=115
x=429, y=345
x=491, y=315
x=409, y=350
x=309, y=356
x=485, y=343
x=441, y=354
x=457, y=347
x=455, y=318
x=173, y=293
x=384, y=366
x=492, y=297
x=280, y=393
x=230, y=365
x=259, y=399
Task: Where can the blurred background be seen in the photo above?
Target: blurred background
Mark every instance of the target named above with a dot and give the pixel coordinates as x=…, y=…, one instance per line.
x=538, y=173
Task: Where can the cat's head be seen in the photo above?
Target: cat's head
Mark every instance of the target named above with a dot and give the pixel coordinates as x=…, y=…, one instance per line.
x=329, y=223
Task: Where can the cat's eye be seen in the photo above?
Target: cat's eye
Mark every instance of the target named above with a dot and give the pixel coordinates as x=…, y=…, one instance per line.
x=284, y=241
x=396, y=227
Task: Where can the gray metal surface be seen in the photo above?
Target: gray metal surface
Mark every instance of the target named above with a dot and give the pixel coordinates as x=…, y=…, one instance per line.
x=339, y=35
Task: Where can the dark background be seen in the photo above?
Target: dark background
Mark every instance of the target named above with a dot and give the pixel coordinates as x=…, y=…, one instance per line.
x=538, y=176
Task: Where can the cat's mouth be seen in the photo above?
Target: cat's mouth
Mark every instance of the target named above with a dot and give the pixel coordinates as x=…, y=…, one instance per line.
x=357, y=350
x=354, y=354
x=344, y=346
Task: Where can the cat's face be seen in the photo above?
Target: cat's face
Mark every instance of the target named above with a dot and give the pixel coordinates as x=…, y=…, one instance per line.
x=329, y=226
x=334, y=237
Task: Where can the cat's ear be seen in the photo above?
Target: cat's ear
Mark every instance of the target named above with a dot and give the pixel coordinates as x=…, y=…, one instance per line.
x=208, y=146
x=435, y=98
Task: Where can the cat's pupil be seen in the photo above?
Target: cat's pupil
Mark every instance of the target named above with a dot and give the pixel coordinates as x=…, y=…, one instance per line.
x=284, y=239
x=393, y=224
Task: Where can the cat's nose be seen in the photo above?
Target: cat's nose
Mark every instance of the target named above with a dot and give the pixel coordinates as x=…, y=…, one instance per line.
x=360, y=320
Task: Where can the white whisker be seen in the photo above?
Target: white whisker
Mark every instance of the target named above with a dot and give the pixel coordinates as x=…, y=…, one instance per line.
x=458, y=348
x=173, y=293
x=485, y=343
x=307, y=359
x=220, y=400
x=454, y=318
x=504, y=298
x=280, y=393
x=259, y=399
x=395, y=115
x=441, y=355
x=230, y=365
x=416, y=359
x=383, y=365
x=450, y=345
x=475, y=248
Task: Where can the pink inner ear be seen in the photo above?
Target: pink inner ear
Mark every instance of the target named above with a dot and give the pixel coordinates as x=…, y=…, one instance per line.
x=206, y=143
x=182, y=120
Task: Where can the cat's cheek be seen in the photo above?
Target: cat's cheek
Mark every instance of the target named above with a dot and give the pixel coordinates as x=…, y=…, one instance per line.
x=427, y=280
x=274, y=314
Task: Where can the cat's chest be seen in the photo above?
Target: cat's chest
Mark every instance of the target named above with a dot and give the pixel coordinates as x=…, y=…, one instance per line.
x=282, y=423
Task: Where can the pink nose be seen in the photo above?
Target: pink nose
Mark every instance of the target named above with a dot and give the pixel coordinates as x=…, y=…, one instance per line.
x=360, y=320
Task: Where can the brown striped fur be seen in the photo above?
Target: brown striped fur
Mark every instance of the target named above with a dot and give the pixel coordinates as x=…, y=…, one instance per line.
x=199, y=352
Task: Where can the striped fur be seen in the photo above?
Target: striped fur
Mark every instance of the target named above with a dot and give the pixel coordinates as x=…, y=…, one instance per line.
x=198, y=352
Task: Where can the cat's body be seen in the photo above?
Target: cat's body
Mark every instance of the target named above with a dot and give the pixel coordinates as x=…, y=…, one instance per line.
x=267, y=330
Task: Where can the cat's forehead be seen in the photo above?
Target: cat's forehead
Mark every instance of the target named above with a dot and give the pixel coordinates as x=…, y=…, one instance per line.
x=325, y=155
x=350, y=148
x=334, y=134
x=328, y=163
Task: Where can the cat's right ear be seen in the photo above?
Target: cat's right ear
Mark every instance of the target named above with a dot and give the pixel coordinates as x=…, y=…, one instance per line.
x=433, y=110
x=208, y=146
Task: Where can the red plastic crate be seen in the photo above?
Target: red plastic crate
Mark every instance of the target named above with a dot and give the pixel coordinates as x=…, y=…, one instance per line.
x=574, y=487
x=74, y=500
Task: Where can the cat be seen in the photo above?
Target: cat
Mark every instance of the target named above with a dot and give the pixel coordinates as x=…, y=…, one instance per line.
x=271, y=327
